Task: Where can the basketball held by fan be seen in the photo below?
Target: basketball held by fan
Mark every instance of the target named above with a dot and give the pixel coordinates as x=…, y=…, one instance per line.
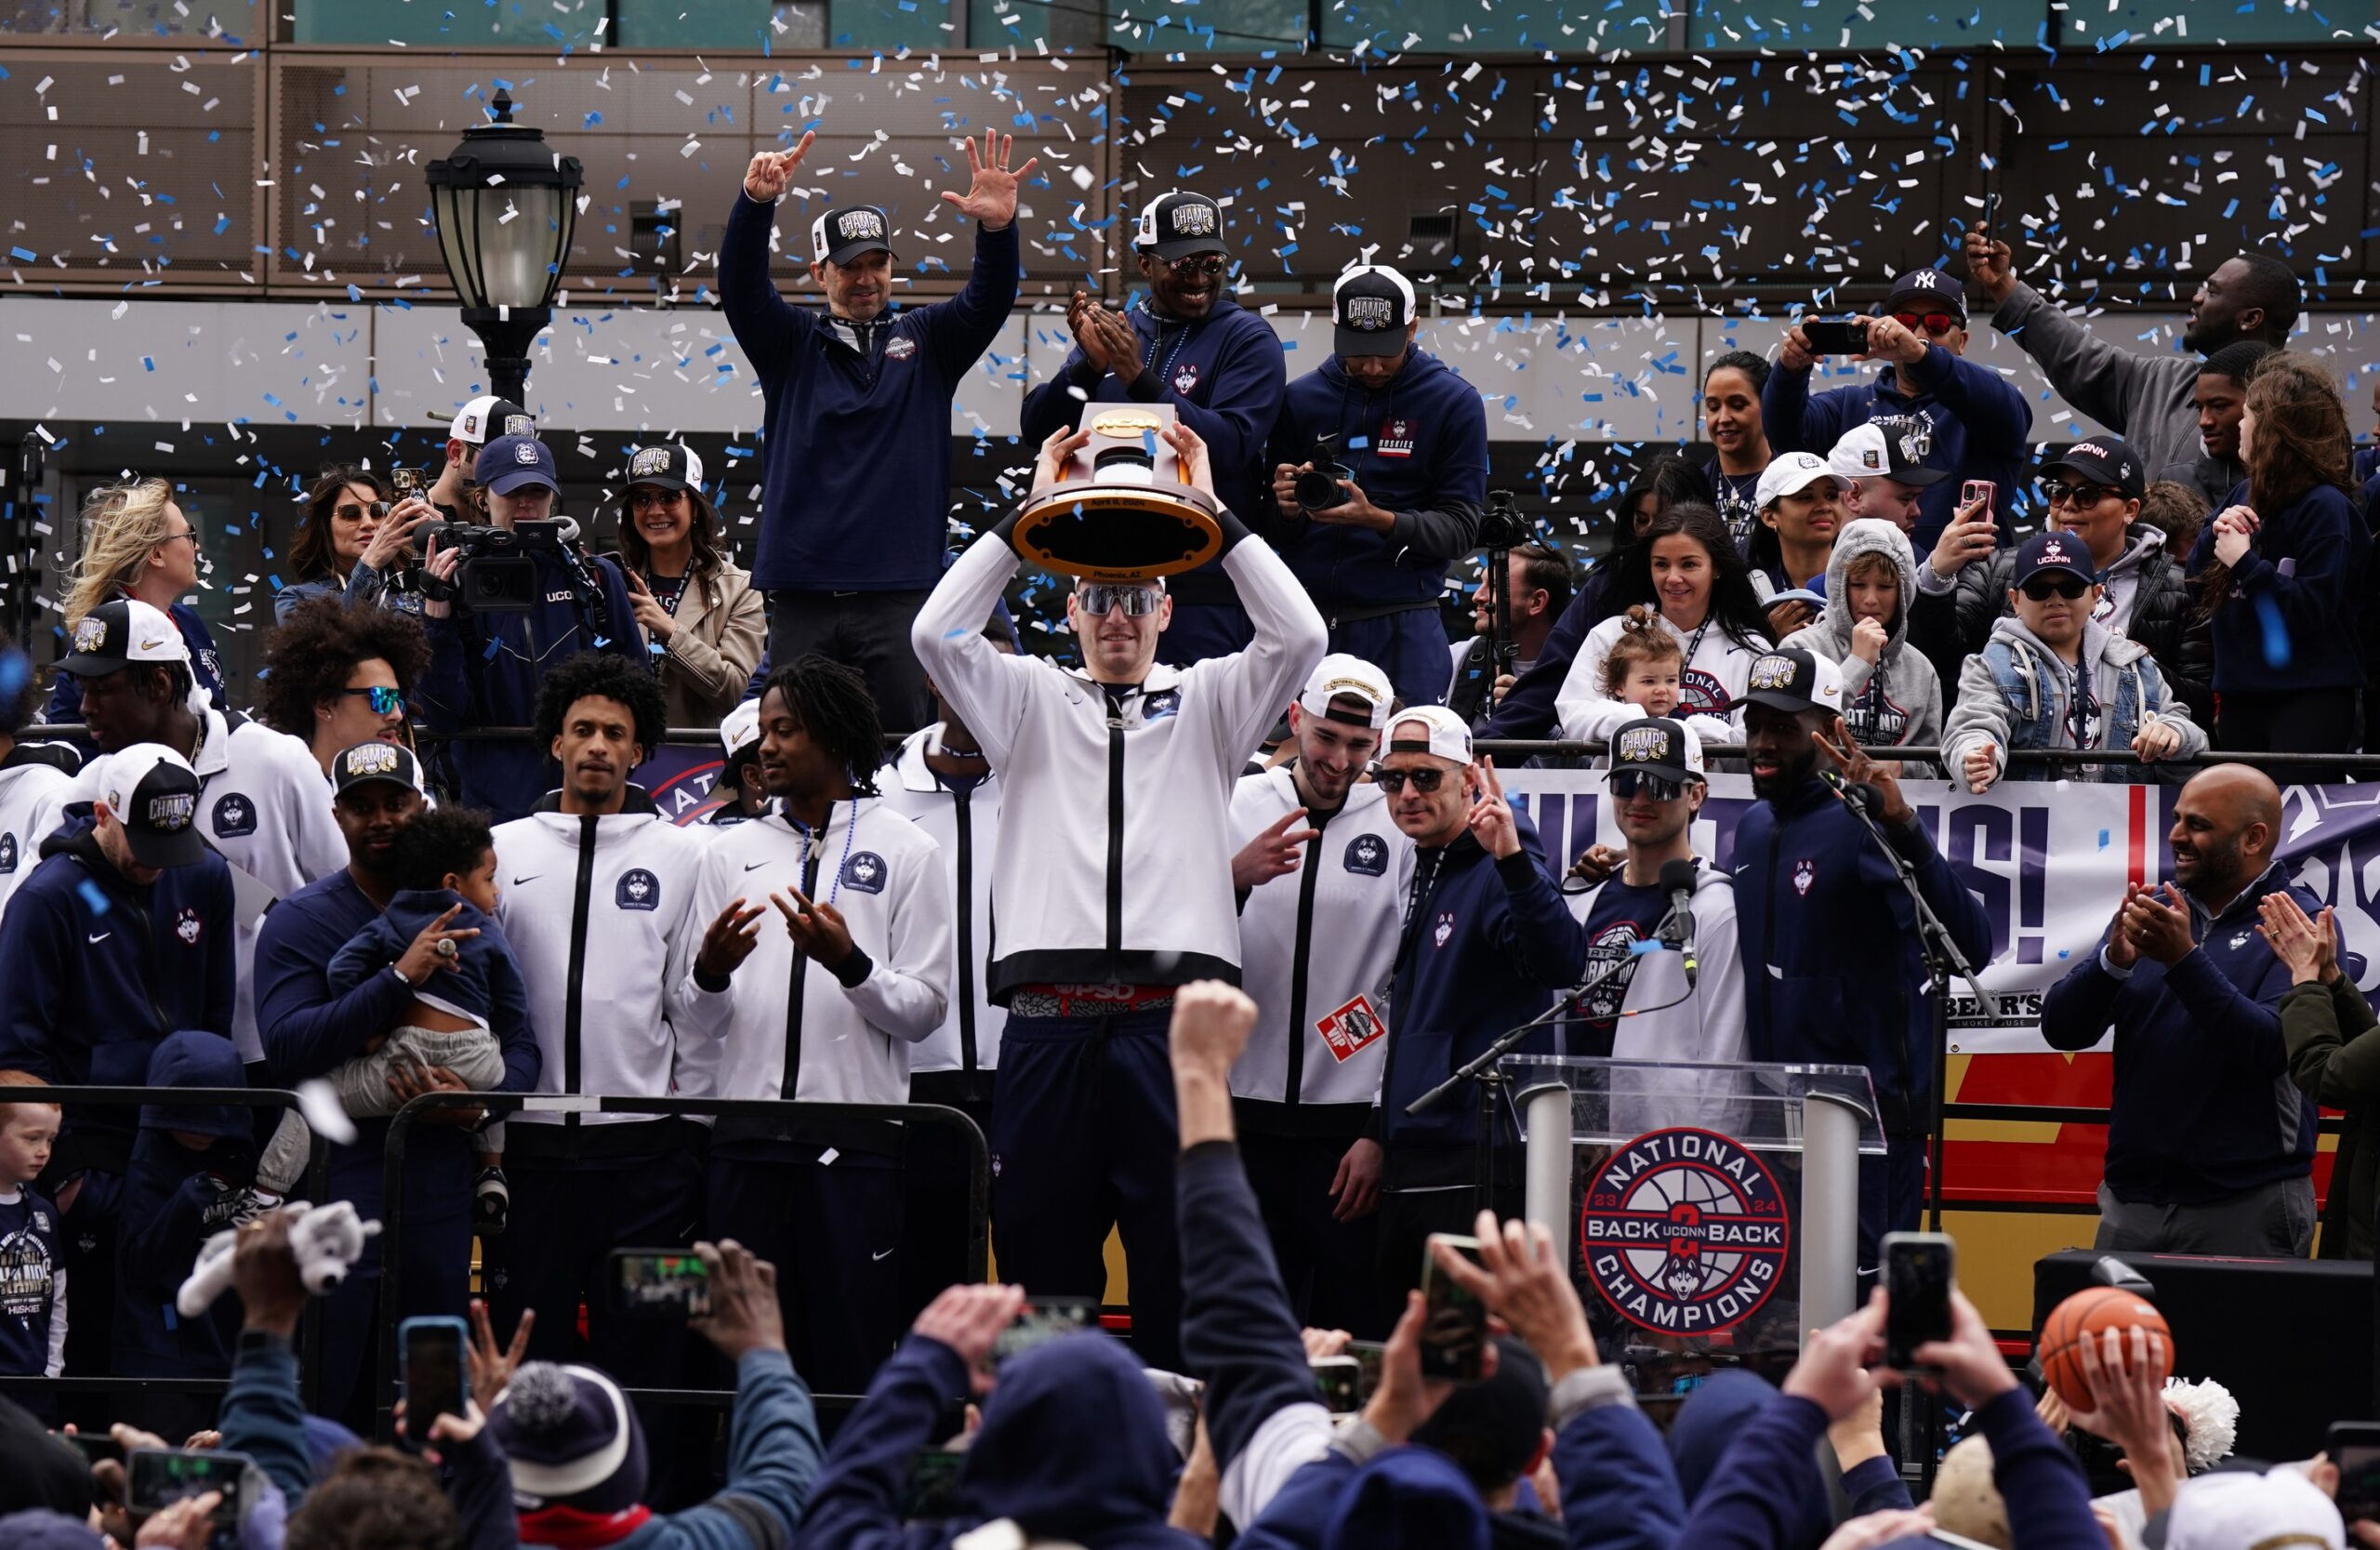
x=2088, y=1315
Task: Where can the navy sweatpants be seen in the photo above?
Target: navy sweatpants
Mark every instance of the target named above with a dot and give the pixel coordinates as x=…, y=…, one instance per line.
x=565, y=1220
x=433, y=1277
x=934, y=1230
x=1892, y=1199
x=1331, y=1268
x=1083, y=1140
x=1411, y=647
x=833, y=1230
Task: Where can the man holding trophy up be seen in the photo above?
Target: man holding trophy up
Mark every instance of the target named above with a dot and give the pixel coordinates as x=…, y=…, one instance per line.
x=1112, y=883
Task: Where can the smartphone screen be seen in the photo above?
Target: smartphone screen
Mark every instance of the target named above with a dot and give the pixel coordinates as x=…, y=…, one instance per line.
x=1043, y=1320
x=157, y=1477
x=93, y=1448
x=1837, y=339
x=431, y=1350
x=1454, y=1327
x=1341, y=1380
x=1370, y=1357
x=932, y=1488
x=2354, y=1446
x=1918, y=1273
x=659, y=1284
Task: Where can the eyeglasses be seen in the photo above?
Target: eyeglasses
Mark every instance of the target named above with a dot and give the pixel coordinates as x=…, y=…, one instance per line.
x=1935, y=324
x=1392, y=781
x=352, y=512
x=1198, y=263
x=1104, y=598
x=1627, y=785
x=649, y=495
x=2041, y=588
x=385, y=700
x=196, y=543
x=2054, y=493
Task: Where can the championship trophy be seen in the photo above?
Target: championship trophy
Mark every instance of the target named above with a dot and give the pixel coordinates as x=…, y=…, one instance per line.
x=1119, y=511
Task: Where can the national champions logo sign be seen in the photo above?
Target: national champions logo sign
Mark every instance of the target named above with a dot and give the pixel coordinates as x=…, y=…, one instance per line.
x=1684, y=1232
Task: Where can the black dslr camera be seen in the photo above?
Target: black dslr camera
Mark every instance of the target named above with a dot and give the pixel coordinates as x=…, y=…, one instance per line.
x=498, y=574
x=1317, y=488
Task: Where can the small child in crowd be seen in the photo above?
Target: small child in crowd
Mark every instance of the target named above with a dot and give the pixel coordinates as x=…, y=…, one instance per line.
x=1645, y=667
x=2052, y=677
x=32, y=1267
x=1891, y=694
x=445, y=860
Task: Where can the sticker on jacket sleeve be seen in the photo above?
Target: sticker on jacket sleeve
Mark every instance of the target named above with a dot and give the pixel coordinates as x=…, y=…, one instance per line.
x=1350, y=1028
x=864, y=872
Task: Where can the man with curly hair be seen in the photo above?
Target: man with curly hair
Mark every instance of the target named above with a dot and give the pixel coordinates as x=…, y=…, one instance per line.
x=598, y=903
x=338, y=676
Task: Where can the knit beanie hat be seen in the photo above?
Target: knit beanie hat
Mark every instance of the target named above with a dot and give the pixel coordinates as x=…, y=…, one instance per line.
x=573, y=1440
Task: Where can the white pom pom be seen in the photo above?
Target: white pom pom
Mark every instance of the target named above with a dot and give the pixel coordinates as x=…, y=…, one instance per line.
x=541, y=1396
x=2210, y=1415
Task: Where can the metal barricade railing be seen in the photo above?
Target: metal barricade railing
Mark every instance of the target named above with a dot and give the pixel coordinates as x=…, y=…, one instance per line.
x=384, y=1333
x=317, y=1180
x=2276, y=764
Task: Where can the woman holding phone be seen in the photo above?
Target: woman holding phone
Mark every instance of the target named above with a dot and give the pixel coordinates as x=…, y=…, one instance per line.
x=702, y=619
x=2274, y=573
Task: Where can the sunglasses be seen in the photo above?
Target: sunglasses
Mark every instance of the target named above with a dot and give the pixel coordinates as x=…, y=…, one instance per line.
x=1392, y=781
x=352, y=512
x=385, y=700
x=1627, y=785
x=2055, y=492
x=649, y=495
x=191, y=534
x=1198, y=263
x=2041, y=588
x=1104, y=598
x=1935, y=324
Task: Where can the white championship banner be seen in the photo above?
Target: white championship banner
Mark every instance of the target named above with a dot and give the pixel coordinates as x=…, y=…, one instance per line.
x=2049, y=859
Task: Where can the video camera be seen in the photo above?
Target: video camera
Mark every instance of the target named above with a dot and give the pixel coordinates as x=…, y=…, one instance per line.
x=1317, y=488
x=499, y=573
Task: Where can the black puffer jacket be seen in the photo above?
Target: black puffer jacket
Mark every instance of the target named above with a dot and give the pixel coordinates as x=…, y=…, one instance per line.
x=1953, y=626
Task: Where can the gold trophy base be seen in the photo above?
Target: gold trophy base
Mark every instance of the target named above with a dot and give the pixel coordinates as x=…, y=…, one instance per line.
x=1118, y=532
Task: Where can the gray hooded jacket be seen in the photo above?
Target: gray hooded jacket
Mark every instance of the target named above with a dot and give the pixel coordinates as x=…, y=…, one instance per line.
x=2016, y=692
x=1898, y=702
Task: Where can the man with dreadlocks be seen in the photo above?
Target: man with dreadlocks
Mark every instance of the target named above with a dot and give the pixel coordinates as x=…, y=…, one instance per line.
x=825, y=1011
x=1111, y=886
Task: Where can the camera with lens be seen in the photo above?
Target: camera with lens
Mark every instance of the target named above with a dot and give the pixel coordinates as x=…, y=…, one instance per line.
x=499, y=573
x=1501, y=525
x=1120, y=510
x=1317, y=489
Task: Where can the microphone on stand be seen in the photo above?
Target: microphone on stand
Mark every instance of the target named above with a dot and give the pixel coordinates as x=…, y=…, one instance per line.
x=1677, y=882
x=1857, y=794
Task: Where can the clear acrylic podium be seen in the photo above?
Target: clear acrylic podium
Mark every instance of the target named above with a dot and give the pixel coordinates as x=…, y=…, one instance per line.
x=1709, y=1213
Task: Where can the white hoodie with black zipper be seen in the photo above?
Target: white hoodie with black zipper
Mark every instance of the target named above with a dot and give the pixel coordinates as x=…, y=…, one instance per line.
x=795, y=1030
x=600, y=912
x=1113, y=863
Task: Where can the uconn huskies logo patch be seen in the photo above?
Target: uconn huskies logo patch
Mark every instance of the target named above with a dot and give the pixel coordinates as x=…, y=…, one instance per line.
x=900, y=347
x=1684, y=1232
x=189, y=927
x=1165, y=702
x=1185, y=379
x=1367, y=854
x=7, y=854
x=864, y=873
x=638, y=890
x=235, y=817
x=1445, y=932
x=1806, y=872
x=1396, y=439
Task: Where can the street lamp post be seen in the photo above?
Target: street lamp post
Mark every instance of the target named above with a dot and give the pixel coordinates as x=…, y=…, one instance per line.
x=504, y=204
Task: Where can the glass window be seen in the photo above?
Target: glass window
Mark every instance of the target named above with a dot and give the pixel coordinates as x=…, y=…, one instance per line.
x=1474, y=27
x=1718, y=24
